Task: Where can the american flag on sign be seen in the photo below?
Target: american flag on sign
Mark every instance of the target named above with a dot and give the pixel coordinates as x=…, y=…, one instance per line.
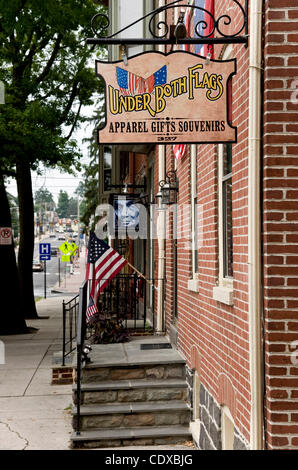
x=103, y=264
x=131, y=84
x=128, y=82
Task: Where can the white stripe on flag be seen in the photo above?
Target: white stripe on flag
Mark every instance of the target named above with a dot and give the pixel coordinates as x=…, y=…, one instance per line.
x=110, y=272
x=107, y=263
x=103, y=258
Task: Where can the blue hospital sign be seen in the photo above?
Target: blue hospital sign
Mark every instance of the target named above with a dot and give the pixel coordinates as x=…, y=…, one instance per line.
x=45, y=251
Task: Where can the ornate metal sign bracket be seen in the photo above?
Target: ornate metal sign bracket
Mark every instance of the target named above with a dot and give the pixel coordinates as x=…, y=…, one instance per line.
x=100, y=25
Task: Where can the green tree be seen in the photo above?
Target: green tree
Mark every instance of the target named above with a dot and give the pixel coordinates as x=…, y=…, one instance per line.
x=43, y=198
x=90, y=203
x=44, y=65
x=72, y=207
x=63, y=203
x=9, y=276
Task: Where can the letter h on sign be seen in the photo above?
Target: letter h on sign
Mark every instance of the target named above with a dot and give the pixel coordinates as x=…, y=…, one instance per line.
x=45, y=251
x=44, y=248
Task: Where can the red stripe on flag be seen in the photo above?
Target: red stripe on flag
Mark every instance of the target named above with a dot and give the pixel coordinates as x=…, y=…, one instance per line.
x=179, y=150
x=109, y=267
x=103, y=261
x=112, y=276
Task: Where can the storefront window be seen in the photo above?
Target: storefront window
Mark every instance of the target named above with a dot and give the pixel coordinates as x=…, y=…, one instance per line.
x=107, y=168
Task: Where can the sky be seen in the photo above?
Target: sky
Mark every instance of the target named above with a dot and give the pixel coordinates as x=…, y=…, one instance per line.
x=54, y=180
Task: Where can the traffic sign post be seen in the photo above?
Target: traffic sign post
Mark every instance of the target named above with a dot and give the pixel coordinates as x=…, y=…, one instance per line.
x=45, y=279
x=44, y=255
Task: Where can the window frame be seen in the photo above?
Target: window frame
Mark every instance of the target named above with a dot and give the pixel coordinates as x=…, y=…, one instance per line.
x=223, y=292
x=193, y=283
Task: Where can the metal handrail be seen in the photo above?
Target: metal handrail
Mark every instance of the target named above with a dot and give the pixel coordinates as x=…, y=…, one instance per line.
x=69, y=319
x=81, y=333
x=81, y=329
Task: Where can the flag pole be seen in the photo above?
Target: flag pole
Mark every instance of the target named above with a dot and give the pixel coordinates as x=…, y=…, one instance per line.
x=139, y=273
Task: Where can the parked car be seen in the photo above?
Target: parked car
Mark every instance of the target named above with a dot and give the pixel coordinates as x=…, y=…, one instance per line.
x=52, y=235
x=61, y=237
x=37, y=265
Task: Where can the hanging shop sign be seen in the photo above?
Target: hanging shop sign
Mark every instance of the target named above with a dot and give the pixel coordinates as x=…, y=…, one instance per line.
x=166, y=98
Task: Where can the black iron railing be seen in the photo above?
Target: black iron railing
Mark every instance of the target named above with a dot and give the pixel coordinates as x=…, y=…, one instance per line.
x=69, y=315
x=81, y=333
x=124, y=299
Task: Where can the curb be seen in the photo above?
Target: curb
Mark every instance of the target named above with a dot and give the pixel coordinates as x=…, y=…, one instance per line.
x=57, y=291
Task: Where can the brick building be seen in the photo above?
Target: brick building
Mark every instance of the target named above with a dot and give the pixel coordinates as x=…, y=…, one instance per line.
x=227, y=287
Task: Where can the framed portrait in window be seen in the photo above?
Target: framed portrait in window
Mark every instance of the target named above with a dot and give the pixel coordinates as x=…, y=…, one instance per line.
x=126, y=211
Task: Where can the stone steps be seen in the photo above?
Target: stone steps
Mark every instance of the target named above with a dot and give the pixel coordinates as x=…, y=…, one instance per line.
x=132, y=391
x=142, y=436
x=132, y=415
x=94, y=374
x=132, y=395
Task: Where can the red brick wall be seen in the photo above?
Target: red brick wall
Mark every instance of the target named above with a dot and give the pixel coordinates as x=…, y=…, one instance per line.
x=281, y=221
x=217, y=332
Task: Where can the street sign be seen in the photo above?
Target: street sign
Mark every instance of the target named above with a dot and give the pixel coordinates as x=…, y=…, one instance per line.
x=5, y=236
x=44, y=248
x=44, y=257
x=65, y=248
x=74, y=247
x=44, y=251
x=65, y=258
x=166, y=99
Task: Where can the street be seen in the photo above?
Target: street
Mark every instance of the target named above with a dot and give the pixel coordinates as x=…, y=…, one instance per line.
x=52, y=270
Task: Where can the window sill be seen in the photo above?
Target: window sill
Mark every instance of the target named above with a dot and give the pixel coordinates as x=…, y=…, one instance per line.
x=223, y=295
x=193, y=285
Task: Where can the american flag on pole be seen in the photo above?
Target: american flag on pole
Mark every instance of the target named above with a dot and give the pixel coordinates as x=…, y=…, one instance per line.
x=103, y=264
x=203, y=19
x=187, y=21
x=91, y=310
x=179, y=150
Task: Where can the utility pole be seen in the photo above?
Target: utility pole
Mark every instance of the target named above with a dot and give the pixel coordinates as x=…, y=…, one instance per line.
x=79, y=225
x=45, y=216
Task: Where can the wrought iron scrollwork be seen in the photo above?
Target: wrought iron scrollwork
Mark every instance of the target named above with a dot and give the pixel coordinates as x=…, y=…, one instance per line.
x=159, y=29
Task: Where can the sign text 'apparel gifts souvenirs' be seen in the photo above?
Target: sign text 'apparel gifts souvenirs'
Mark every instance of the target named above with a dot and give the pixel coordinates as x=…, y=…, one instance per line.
x=167, y=98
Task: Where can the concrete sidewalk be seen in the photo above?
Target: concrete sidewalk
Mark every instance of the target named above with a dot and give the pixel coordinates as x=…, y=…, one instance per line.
x=72, y=282
x=33, y=413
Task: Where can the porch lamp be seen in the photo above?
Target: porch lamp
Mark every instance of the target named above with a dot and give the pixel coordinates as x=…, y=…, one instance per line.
x=169, y=188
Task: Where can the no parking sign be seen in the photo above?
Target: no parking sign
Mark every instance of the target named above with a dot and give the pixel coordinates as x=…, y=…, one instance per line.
x=5, y=236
